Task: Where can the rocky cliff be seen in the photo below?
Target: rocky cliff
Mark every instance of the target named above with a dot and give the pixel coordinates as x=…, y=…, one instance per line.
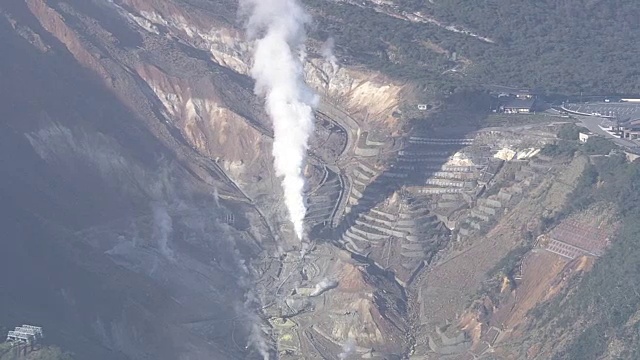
x=142, y=194
x=154, y=112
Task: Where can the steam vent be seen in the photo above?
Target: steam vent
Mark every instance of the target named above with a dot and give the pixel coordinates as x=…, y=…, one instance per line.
x=287, y=179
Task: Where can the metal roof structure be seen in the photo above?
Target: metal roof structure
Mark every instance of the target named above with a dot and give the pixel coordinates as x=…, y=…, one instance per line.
x=25, y=333
x=520, y=104
x=512, y=90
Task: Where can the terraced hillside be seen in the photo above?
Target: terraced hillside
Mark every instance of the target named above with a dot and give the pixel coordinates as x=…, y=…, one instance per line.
x=141, y=198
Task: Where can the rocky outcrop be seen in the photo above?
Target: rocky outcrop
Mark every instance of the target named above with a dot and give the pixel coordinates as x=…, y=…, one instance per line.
x=368, y=95
x=179, y=73
x=196, y=107
x=126, y=247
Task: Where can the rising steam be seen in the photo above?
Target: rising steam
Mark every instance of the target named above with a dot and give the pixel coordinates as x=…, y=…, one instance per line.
x=279, y=27
x=327, y=53
x=162, y=229
x=348, y=348
x=323, y=286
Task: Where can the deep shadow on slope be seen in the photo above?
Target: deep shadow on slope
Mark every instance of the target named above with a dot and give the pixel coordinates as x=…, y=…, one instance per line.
x=45, y=282
x=462, y=114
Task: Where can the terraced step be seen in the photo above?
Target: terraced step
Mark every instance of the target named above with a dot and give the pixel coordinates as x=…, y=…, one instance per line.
x=445, y=183
x=406, y=223
x=334, y=181
x=435, y=190
x=321, y=207
x=411, y=265
x=539, y=165
x=524, y=175
x=381, y=228
x=364, y=201
x=353, y=244
x=480, y=215
x=382, y=214
x=413, y=246
x=316, y=199
x=450, y=168
x=439, y=141
x=412, y=213
x=425, y=159
x=504, y=195
x=421, y=239
x=369, y=232
x=407, y=167
x=452, y=175
x=426, y=219
x=414, y=254
x=355, y=237
x=418, y=153
x=449, y=204
x=376, y=218
x=487, y=210
x=361, y=175
x=366, y=170
x=360, y=182
x=395, y=174
x=488, y=202
x=356, y=192
x=313, y=211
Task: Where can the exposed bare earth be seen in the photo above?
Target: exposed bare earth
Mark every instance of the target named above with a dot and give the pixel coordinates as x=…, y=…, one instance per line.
x=173, y=219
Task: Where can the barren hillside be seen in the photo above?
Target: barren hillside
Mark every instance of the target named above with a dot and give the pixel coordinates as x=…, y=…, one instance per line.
x=144, y=219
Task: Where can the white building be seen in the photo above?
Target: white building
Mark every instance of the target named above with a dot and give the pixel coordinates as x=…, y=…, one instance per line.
x=583, y=137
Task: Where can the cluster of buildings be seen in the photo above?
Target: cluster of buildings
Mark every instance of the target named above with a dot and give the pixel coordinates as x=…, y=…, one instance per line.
x=27, y=334
x=620, y=119
x=509, y=100
x=514, y=101
x=629, y=129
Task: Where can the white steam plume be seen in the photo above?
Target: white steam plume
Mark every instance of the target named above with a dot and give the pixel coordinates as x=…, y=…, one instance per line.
x=257, y=337
x=247, y=310
x=216, y=196
x=327, y=53
x=279, y=26
x=322, y=286
x=348, y=348
x=162, y=229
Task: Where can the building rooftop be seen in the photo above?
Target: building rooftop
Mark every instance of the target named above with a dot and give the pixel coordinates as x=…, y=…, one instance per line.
x=622, y=111
x=511, y=90
x=25, y=333
x=583, y=236
x=633, y=122
x=520, y=104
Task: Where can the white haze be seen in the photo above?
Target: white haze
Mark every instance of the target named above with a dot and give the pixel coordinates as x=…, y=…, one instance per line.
x=322, y=286
x=257, y=331
x=248, y=310
x=216, y=196
x=348, y=348
x=327, y=53
x=279, y=27
x=162, y=229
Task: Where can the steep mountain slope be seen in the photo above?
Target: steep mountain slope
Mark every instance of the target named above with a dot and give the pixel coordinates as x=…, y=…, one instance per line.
x=81, y=171
x=559, y=47
x=139, y=177
x=146, y=222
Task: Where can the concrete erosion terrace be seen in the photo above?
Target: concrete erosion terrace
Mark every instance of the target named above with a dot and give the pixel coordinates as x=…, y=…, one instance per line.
x=385, y=197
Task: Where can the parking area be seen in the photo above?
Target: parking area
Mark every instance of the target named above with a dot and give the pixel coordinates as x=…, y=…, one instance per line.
x=617, y=110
